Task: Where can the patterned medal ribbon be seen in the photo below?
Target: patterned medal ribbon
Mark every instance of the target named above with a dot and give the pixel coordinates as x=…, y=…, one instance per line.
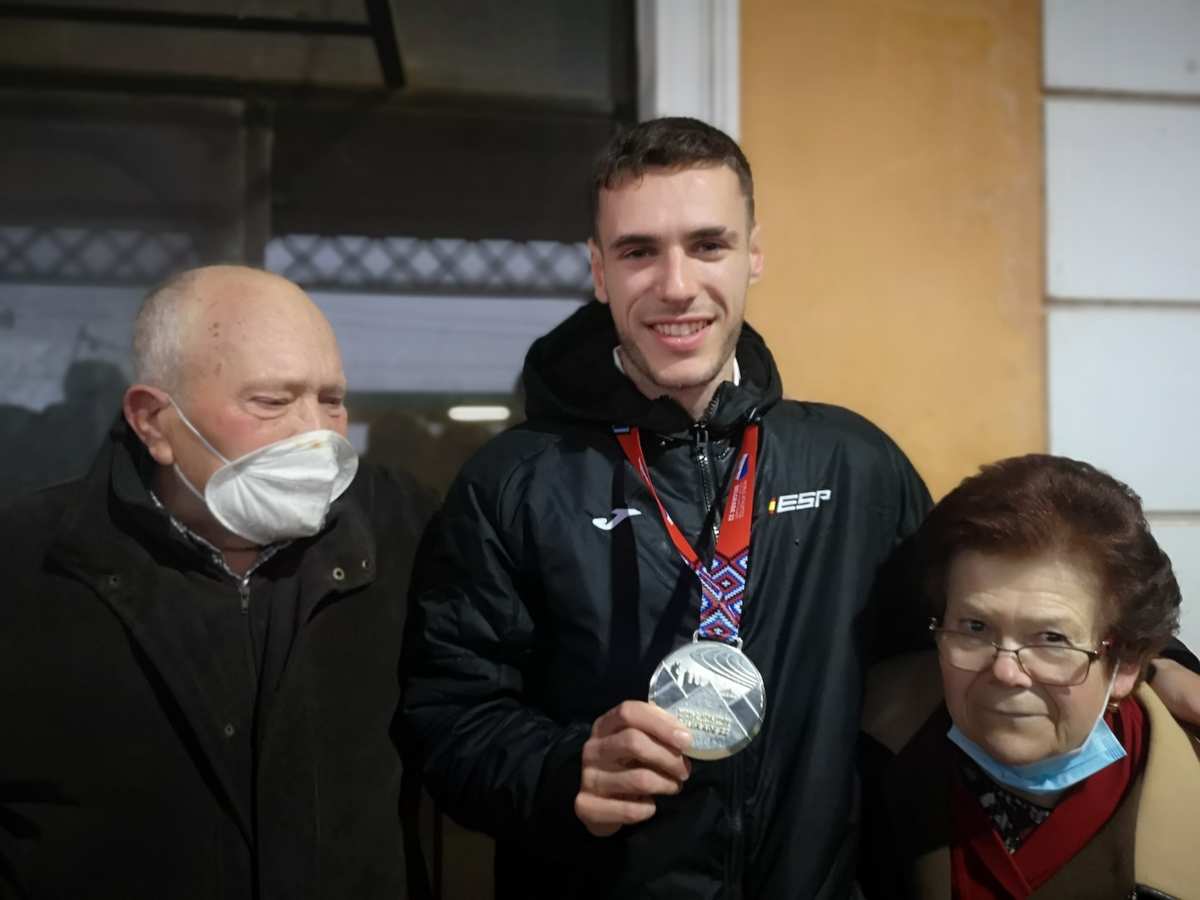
x=723, y=581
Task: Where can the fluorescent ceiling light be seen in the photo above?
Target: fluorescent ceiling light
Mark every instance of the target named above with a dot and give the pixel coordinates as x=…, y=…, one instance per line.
x=478, y=413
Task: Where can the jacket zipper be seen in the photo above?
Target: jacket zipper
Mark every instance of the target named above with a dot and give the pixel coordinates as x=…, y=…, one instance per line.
x=251, y=655
x=734, y=865
x=700, y=448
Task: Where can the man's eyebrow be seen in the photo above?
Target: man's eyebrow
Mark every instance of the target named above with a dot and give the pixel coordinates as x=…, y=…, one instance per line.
x=295, y=386
x=714, y=231
x=272, y=384
x=632, y=240
x=699, y=234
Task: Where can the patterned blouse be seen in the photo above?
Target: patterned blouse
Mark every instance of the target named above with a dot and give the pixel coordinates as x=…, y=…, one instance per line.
x=1013, y=817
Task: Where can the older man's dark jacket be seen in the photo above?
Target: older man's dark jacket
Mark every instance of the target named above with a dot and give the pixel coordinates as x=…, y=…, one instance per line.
x=144, y=754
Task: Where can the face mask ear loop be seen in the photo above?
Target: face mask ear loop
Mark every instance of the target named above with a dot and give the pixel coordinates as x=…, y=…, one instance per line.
x=187, y=484
x=1112, y=680
x=192, y=428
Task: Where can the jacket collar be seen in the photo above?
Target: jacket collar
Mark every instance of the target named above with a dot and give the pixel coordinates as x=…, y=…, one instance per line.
x=118, y=528
x=94, y=537
x=569, y=375
x=1169, y=807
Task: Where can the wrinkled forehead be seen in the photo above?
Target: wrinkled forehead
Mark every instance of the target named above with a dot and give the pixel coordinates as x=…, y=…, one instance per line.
x=283, y=338
x=1025, y=588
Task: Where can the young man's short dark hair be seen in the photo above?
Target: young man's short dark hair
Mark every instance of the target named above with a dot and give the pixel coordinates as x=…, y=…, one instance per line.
x=668, y=143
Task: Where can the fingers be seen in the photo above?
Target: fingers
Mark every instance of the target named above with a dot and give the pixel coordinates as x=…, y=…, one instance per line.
x=647, y=718
x=632, y=748
x=633, y=755
x=626, y=782
x=603, y=816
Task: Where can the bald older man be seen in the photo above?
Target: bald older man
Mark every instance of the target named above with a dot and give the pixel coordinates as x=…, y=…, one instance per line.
x=198, y=641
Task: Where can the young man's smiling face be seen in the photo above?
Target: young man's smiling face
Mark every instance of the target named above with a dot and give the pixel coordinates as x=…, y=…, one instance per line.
x=674, y=254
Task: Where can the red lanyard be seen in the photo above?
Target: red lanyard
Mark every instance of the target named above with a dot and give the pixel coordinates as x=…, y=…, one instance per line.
x=723, y=581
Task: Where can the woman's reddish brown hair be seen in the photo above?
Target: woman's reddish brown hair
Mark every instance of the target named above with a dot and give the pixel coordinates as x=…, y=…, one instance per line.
x=1029, y=505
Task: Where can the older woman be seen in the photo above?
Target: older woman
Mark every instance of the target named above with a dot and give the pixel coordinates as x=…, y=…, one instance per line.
x=1026, y=759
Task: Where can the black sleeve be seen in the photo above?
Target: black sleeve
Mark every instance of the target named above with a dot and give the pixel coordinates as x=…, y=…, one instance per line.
x=880, y=871
x=898, y=621
x=1177, y=651
x=490, y=758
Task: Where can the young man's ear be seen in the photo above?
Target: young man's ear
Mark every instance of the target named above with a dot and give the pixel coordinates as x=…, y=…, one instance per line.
x=756, y=255
x=597, y=262
x=144, y=407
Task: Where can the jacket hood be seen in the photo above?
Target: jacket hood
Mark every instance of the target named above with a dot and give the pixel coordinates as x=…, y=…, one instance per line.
x=569, y=375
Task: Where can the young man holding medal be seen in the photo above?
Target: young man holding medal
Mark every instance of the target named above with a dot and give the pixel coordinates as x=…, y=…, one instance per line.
x=641, y=622
x=566, y=567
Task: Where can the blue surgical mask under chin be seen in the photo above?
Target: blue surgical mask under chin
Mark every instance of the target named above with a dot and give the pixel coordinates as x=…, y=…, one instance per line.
x=1055, y=773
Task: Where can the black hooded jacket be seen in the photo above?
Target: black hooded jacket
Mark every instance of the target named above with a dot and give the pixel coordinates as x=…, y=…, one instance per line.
x=530, y=620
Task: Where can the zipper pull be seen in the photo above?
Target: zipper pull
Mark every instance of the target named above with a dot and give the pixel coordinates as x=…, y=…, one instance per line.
x=700, y=440
x=244, y=594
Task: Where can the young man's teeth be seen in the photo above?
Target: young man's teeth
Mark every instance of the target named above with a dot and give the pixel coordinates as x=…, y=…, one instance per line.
x=678, y=329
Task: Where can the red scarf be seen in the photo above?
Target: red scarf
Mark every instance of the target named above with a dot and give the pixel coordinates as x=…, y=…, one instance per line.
x=980, y=866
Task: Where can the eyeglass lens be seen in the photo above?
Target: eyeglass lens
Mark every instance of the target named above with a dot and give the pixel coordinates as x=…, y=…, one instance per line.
x=1047, y=664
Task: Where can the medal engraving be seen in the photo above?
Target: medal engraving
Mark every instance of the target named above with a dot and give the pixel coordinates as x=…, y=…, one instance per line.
x=715, y=691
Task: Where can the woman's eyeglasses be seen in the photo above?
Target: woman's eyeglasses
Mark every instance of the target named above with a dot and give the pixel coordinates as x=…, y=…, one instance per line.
x=1058, y=665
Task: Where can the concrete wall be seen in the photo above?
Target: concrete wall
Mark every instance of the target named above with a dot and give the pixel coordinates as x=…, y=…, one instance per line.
x=1122, y=85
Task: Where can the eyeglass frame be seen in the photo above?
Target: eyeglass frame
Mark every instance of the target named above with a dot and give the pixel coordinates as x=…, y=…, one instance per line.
x=936, y=628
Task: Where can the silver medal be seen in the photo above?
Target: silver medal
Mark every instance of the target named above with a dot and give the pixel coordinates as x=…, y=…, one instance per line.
x=716, y=692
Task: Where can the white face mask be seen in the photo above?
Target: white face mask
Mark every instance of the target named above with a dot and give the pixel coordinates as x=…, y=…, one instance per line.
x=279, y=491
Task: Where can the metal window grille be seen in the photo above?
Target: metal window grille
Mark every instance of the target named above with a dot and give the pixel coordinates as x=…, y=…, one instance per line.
x=397, y=265
x=78, y=255
x=443, y=265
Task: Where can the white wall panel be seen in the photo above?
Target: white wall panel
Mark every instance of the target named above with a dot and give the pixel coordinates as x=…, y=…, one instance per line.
x=688, y=52
x=1124, y=391
x=1123, y=199
x=1182, y=544
x=1123, y=224
x=1123, y=45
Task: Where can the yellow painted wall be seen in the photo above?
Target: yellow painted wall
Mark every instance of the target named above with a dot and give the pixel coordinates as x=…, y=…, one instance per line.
x=897, y=151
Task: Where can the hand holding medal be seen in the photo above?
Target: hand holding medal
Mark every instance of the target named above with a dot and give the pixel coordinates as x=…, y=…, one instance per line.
x=634, y=753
